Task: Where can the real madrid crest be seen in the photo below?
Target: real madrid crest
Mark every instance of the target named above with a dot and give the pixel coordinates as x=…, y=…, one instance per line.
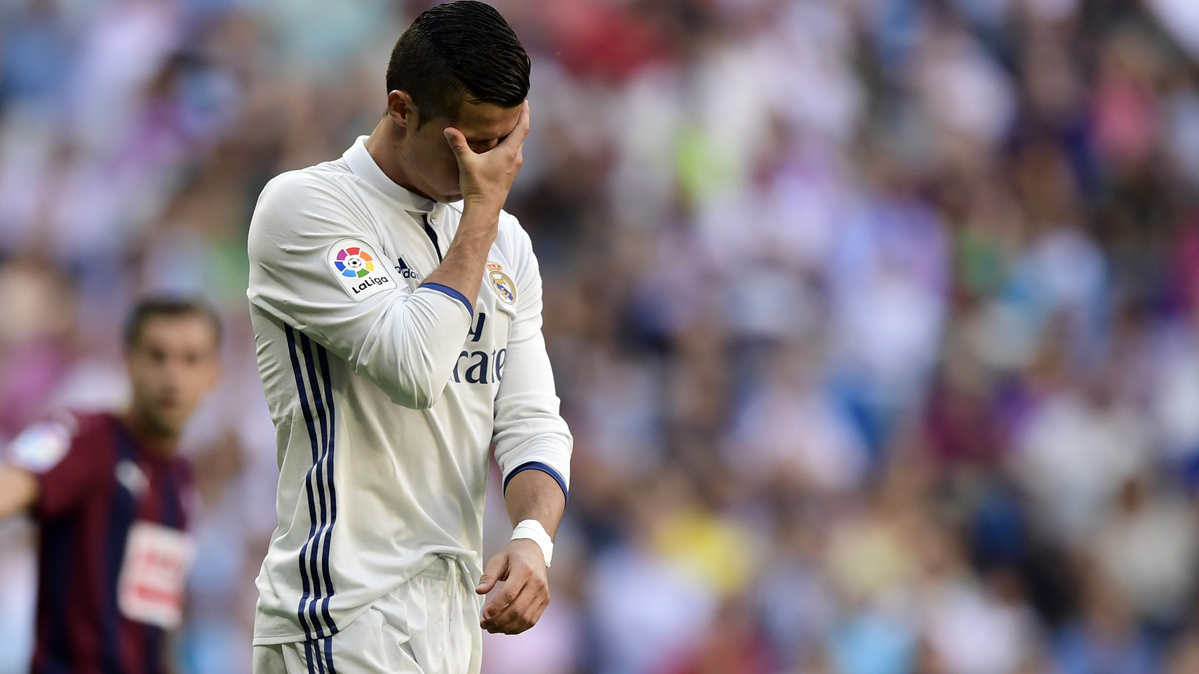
x=500, y=283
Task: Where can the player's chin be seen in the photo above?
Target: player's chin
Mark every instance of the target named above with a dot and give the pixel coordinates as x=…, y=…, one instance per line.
x=168, y=422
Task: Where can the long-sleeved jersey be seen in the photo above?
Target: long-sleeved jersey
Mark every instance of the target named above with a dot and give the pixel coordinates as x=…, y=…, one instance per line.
x=386, y=392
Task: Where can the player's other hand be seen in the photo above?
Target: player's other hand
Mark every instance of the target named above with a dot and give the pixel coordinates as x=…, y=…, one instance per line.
x=485, y=178
x=524, y=593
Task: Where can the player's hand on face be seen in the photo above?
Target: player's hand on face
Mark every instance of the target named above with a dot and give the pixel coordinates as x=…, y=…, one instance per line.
x=486, y=177
x=525, y=591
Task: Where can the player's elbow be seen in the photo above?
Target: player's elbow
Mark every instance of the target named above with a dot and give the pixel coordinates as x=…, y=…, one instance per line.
x=411, y=374
x=418, y=393
x=415, y=400
x=414, y=388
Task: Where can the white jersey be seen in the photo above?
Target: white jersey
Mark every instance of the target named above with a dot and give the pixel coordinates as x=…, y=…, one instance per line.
x=386, y=394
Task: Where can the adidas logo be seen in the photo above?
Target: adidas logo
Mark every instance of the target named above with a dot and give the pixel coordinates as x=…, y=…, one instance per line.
x=403, y=270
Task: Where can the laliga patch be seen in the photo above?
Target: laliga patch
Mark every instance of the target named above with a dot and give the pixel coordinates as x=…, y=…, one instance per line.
x=151, y=585
x=503, y=286
x=358, y=269
x=41, y=446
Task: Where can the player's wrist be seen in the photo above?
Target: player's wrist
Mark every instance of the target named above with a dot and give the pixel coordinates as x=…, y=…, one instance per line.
x=522, y=547
x=487, y=203
x=534, y=531
x=477, y=229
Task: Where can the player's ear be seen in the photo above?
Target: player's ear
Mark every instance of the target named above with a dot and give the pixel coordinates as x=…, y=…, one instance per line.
x=401, y=110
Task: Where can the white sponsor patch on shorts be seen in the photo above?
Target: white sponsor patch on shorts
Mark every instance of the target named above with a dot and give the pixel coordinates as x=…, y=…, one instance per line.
x=359, y=270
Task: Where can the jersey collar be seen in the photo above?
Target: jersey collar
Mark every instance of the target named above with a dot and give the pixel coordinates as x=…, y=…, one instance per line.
x=363, y=165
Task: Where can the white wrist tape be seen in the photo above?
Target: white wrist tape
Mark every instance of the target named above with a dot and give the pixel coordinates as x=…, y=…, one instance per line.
x=532, y=530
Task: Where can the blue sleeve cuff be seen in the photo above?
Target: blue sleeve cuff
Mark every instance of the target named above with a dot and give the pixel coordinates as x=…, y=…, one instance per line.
x=452, y=293
x=537, y=465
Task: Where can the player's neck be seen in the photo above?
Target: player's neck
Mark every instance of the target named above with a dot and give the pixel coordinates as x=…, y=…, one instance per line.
x=153, y=439
x=384, y=149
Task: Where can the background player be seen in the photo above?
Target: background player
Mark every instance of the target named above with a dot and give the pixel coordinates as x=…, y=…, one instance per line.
x=399, y=335
x=112, y=499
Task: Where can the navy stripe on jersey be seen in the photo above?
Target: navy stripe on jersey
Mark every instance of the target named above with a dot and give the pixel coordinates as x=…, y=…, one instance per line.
x=433, y=237
x=315, y=471
x=58, y=551
x=316, y=652
x=327, y=378
x=170, y=506
x=329, y=656
x=308, y=657
x=318, y=483
x=302, y=391
x=323, y=407
x=154, y=645
x=122, y=510
x=537, y=465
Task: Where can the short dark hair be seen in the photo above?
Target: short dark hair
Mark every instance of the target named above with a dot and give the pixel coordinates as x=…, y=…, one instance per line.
x=169, y=307
x=459, y=51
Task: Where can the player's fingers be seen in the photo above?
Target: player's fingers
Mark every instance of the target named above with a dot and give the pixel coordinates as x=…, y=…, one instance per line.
x=497, y=569
x=533, y=592
x=518, y=578
x=457, y=142
x=510, y=621
x=539, y=610
x=500, y=602
x=529, y=619
x=507, y=615
x=517, y=137
x=523, y=612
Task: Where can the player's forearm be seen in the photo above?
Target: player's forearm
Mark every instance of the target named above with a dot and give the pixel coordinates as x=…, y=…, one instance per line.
x=534, y=495
x=18, y=491
x=462, y=268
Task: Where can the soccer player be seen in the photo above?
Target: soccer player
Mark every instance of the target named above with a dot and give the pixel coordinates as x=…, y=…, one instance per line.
x=112, y=500
x=397, y=312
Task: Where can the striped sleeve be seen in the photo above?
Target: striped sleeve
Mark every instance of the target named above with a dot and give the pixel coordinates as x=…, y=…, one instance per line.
x=529, y=432
x=315, y=266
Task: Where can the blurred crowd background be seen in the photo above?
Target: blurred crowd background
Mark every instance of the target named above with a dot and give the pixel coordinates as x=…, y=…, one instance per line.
x=876, y=321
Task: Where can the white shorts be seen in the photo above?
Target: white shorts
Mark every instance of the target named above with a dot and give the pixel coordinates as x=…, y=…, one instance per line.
x=429, y=625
